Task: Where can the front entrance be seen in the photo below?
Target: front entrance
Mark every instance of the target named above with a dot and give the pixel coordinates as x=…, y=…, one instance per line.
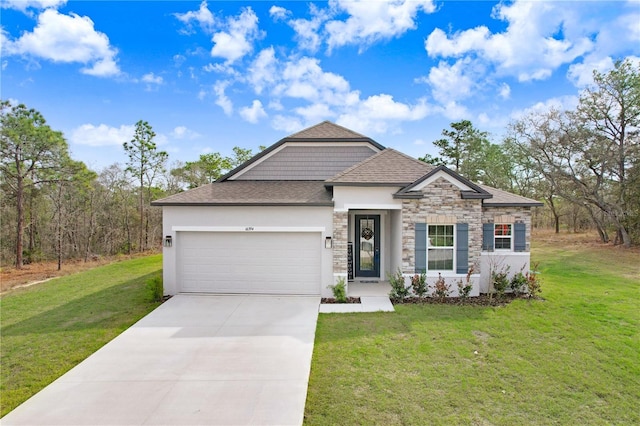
x=367, y=247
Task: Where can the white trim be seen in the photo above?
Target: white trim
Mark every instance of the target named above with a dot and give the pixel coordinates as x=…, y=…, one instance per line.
x=248, y=229
x=444, y=175
x=372, y=207
x=505, y=253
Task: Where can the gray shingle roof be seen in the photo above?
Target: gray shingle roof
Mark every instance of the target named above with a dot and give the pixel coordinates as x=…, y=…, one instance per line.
x=263, y=193
x=386, y=167
x=326, y=130
x=307, y=162
x=504, y=198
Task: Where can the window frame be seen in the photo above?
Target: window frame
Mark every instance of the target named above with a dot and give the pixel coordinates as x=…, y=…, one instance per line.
x=497, y=237
x=451, y=248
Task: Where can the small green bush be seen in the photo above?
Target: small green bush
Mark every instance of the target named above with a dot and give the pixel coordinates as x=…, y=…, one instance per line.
x=441, y=289
x=500, y=281
x=533, y=282
x=518, y=283
x=340, y=290
x=155, y=290
x=464, y=287
x=419, y=284
x=398, y=288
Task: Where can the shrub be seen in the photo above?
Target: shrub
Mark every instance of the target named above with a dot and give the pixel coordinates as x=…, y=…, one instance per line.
x=398, y=288
x=518, y=283
x=464, y=287
x=441, y=289
x=154, y=289
x=419, y=284
x=340, y=290
x=500, y=281
x=533, y=283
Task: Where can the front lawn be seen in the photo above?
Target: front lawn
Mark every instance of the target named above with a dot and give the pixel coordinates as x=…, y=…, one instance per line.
x=49, y=328
x=570, y=359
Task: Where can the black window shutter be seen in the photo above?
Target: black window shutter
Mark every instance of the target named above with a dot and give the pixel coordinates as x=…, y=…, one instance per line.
x=421, y=248
x=462, y=248
x=487, y=236
x=519, y=237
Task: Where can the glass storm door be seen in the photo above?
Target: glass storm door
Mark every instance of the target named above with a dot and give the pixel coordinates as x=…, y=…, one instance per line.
x=367, y=246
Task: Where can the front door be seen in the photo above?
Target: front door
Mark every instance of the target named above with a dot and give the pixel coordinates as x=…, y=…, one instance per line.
x=367, y=245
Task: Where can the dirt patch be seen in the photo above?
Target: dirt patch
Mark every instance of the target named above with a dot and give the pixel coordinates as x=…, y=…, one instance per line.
x=36, y=273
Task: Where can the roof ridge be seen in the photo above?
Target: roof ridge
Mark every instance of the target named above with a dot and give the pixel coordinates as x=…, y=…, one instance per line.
x=327, y=122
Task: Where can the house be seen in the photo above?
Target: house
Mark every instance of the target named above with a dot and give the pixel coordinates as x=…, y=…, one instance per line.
x=328, y=203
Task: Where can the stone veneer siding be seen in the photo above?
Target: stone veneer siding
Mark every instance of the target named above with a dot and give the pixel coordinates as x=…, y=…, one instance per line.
x=340, y=238
x=441, y=199
x=518, y=214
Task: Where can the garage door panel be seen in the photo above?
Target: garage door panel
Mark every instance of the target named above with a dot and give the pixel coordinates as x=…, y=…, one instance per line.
x=271, y=263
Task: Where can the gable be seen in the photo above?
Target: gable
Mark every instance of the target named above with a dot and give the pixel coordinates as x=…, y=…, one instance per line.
x=315, y=153
x=468, y=189
x=307, y=161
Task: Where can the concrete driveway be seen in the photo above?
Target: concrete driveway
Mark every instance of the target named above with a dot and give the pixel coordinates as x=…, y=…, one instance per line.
x=197, y=359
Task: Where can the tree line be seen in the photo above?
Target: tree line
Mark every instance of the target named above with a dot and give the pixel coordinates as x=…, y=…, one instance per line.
x=54, y=207
x=583, y=163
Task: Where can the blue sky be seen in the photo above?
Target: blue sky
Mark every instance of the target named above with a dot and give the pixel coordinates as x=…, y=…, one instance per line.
x=212, y=75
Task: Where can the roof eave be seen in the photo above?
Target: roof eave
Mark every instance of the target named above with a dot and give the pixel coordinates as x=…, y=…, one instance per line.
x=398, y=184
x=243, y=203
x=532, y=204
x=472, y=195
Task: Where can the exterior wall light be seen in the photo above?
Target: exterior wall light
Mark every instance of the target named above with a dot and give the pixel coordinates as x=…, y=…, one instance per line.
x=328, y=243
x=168, y=242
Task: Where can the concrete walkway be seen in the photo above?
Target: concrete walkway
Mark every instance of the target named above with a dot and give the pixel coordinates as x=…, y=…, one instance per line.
x=197, y=359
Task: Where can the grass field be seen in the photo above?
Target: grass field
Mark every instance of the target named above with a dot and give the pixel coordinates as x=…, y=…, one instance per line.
x=570, y=359
x=49, y=328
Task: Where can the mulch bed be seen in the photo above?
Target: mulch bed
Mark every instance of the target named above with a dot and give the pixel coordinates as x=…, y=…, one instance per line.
x=332, y=300
x=482, y=300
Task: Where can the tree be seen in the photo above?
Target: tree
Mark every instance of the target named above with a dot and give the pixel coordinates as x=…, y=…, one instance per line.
x=145, y=162
x=587, y=155
x=462, y=148
x=29, y=149
x=609, y=114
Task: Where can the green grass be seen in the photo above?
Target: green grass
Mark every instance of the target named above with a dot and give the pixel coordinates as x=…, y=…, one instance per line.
x=49, y=328
x=573, y=358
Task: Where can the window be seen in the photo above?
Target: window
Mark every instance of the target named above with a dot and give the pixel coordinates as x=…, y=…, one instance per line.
x=440, y=247
x=502, y=236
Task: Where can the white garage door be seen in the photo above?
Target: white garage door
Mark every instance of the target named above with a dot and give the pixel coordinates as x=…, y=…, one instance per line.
x=246, y=262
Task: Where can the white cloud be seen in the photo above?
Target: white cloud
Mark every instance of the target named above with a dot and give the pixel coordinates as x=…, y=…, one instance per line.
x=277, y=12
x=451, y=82
x=253, y=113
x=372, y=21
x=67, y=38
x=182, y=132
x=540, y=37
x=504, y=91
x=202, y=16
x=235, y=41
x=376, y=113
x=562, y=103
x=151, y=78
x=223, y=100
x=581, y=74
x=102, y=135
x=289, y=124
x=262, y=71
x=23, y=5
